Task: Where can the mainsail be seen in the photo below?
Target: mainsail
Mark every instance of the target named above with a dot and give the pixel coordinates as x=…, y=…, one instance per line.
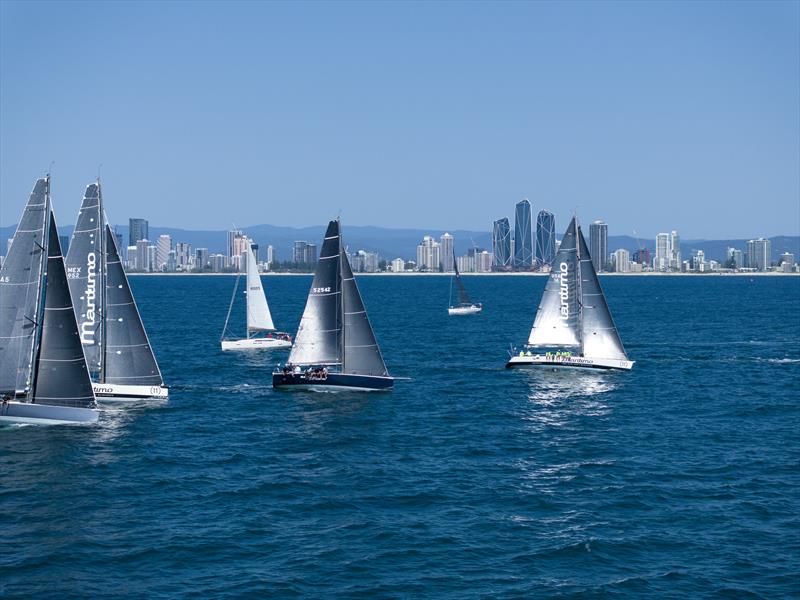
x=85, y=273
x=258, y=315
x=463, y=297
x=557, y=321
x=361, y=353
x=20, y=292
x=128, y=358
x=61, y=376
x=598, y=332
x=318, y=340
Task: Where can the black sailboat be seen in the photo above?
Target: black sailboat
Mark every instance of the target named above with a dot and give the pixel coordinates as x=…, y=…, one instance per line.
x=464, y=306
x=43, y=373
x=335, y=347
x=120, y=358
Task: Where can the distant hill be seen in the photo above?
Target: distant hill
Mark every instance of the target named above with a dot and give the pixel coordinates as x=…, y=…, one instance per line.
x=393, y=243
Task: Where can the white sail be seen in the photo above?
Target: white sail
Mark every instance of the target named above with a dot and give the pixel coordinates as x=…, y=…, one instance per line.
x=258, y=315
x=598, y=332
x=557, y=321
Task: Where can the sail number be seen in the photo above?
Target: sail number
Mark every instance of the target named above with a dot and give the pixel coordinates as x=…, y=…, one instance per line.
x=320, y=290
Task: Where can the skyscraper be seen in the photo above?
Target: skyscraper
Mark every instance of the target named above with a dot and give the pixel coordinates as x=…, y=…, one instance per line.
x=201, y=260
x=663, y=252
x=270, y=257
x=622, y=261
x=429, y=254
x=598, y=245
x=545, y=238
x=759, y=254
x=310, y=254
x=523, y=239
x=446, y=244
x=299, y=251
x=675, y=251
x=501, y=244
x=163, y=247
x=142, y=255
x=234, y=246
x=138, y=229
x=183, y=253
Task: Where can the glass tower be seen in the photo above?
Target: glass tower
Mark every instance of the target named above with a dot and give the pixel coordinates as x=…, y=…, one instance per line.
x=545, y=238
x=138, y=229
x=501, y=244
x=598, y=245
x=523, y=238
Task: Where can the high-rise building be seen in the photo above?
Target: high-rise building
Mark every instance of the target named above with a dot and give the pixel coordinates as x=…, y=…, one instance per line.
x=201, y=259
x=786, y=262
x=172, y=262
x=642, y=257
x=759, y=254
x=138, y=229
x=299, y=251
x=142, y=261
x=622, y=261
x=466, y=264
x=130, y=262
x=270, y=257
x=183, y=255
x=663, y=252
x=483, y=262
x=523, y=238
x=398, y=265
x=734, y=258
x=429, y=256
x=310, y=254
x=217, y=262
x=545, y=238
x=675, y=251
x=446, y=244
x=598, y=245
x=234, y=245
x=163, y=248
x=501, y=244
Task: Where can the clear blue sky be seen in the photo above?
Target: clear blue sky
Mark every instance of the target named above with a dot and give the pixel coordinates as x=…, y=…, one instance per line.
x=652, y=116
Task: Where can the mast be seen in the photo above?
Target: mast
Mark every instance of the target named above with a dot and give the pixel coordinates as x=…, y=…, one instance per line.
x=101, y=222
x=342, y=352
x=578, y=278
x=39, y=313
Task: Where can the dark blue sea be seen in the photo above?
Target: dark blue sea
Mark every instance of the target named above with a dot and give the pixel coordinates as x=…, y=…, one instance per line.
x=678, y=479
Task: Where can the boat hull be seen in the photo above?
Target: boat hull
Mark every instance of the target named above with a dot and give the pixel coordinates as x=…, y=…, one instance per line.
x=464, y=310
x=334, y=381
x=255, y=344
x=112, y=392
x=569, y=362
x=45, y=414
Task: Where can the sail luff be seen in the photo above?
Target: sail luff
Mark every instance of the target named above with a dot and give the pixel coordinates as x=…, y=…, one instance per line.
x=318, y=340
x=258, y=315
x=599, y=335
x=21, y=292
x=557, y=318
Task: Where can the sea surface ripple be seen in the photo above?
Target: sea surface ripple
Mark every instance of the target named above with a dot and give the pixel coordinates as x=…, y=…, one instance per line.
x=678, y=479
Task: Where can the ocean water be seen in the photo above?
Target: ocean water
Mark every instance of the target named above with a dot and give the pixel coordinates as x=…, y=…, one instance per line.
x=678, y=479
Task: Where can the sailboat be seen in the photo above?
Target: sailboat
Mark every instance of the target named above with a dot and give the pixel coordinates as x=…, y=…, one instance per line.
x=43, y=372
x=335, y=347
x=465, y=306
x=573, y=326
x=121, y=361
x=259, y=319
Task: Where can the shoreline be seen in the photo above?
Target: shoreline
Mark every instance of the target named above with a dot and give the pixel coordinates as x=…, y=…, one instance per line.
x=517, y=274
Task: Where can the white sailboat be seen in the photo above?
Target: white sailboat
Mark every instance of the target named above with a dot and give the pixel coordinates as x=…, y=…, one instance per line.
x=573, y=326
x=261, y=333
x=43, y=373
x=118, y=351
x=464, y=306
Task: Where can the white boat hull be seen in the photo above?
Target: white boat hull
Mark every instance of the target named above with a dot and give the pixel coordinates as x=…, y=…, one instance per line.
x=568, y=362
x=44, y=414
x=256, y=344
x=112, y=392
x=464, y=310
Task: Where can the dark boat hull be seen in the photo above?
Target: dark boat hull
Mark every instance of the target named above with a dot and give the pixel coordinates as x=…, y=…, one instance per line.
x=334, y=381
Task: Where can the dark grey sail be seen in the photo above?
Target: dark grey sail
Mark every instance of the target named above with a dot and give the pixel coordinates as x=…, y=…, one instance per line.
x=557, y=321
x=361, y=353
x=129, y=359
x=318, y=340
x=21, y=292
x=61, y=377
x=463, y=297
x=599, y=334
x=85, y=275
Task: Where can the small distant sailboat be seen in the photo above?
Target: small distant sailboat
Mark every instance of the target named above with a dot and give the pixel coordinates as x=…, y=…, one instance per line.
x=573, y=326
x=120, y=358
x=259, y=319
x=43, y=373
x=335, y=347
x=465, y=306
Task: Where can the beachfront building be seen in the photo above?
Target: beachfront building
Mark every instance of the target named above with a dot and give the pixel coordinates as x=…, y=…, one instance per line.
x=598, y=245
x=501, y=244
x=523, y=239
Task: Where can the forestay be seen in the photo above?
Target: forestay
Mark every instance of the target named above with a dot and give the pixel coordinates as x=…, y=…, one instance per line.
x=62, y=378
x=318, y=340
x=85, y=275
x=20, y=292
x=361, y=353
x=129, y=360
x=258, y=315
x=557, y=321
x=598, y=333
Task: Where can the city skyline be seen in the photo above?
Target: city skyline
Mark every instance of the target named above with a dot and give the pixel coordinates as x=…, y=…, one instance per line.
x=634, y=113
